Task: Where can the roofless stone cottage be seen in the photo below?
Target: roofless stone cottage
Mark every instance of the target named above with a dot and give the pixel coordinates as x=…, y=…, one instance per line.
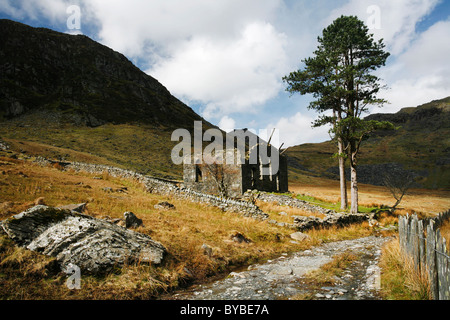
x=261, y=167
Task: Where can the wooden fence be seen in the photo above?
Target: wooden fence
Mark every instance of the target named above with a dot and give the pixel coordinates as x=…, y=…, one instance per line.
x=423, y=242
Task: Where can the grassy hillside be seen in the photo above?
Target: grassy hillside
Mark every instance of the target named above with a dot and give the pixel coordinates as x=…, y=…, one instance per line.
x=89, y=83
x=139, y=147
x=69, y=97
x=420, y=145
x=28, y=275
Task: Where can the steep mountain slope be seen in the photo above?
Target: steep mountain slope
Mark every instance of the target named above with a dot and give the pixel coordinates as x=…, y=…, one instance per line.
x=65, y=92
x=420, y=145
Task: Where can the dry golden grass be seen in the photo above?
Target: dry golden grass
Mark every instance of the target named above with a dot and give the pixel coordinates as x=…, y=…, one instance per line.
x=445, y=232
x=399, y=279
x=419, y=200
x=325, y=275
x=182, y=231
x=274, y=211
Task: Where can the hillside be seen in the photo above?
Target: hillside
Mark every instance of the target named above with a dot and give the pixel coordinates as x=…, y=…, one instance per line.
x=421, y=145
x=64, y=95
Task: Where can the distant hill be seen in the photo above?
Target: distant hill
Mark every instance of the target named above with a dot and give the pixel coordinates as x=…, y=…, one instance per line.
x=65, y=93
x=421, y=145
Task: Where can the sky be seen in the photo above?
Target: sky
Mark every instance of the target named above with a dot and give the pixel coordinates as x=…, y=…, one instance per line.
x=226, y=58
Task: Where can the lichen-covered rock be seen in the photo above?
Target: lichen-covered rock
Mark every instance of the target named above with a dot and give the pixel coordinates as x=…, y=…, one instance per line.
x=95, y=246
x=338, y=219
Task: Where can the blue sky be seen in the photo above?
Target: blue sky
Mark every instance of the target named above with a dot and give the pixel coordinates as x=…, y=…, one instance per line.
x=226, y=58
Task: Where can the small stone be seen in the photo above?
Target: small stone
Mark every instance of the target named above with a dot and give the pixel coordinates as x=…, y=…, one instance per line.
x=282, y=271
x=165, y=206
x=131, y=221
x=299, y=236
x=239, y=238
x=39, y=201
x=207, y=250
x=319, y=295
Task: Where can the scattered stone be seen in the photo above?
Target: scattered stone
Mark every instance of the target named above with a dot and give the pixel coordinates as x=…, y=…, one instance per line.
x=4, y=146
x=239, y=238
x=131, y=221
x=95, y=246
x=207, y=250
x=282, y=271
x=164, y=206
x=373, y=223
x=276, y=278
x=299, y=236
x=107, y=189
x=282, y=213
x=122, y=190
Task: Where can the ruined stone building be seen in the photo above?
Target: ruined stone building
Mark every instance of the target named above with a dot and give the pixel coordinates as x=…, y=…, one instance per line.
x=262, y=168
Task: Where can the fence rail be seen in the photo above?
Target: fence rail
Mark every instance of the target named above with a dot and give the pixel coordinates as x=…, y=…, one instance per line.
x=423, y=242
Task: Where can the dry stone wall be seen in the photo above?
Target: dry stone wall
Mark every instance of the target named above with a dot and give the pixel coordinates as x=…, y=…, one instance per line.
x=243, y=207
x=303, y=223
x=166, y=187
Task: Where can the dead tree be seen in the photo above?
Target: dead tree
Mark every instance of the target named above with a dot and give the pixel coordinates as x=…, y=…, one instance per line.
x=398, y=182
x=221, y=174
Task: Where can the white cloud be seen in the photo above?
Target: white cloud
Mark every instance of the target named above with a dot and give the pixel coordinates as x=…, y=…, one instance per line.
x=225, y=54
x=228, y=75
x=228, y=56
x=133, y=26
x=298, y=129
x=398, y=18
x=420, y=74
x=227, y=124
x=54, y=10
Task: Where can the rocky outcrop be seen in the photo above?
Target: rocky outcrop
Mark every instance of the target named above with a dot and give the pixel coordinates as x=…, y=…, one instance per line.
x=76, y=79
x=95, y=246
x=302, y=223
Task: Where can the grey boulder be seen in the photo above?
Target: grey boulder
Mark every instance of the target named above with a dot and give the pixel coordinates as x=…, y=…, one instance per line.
x=95, y=246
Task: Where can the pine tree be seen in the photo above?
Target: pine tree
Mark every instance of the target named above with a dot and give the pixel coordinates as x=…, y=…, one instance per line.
x=339, y=76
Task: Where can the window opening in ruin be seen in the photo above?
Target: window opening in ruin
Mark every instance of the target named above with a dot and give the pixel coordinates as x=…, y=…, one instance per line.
x=198, y=173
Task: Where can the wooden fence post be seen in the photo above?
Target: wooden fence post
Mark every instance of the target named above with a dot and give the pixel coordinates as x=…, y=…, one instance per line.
x=431, y=261
x=442, y=267
x=401, y=232
x=414, y=243
x=428, y=254
x=421, y=239
x=408, y=235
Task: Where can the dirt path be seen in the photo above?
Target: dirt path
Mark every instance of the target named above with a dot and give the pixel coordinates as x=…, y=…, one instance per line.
x=282, y=278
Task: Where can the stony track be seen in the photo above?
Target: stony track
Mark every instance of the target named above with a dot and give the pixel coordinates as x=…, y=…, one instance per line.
x=282, y=278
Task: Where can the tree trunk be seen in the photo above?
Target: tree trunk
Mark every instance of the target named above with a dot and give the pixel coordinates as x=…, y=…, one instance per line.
x=342, y=178
x=354, y=184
